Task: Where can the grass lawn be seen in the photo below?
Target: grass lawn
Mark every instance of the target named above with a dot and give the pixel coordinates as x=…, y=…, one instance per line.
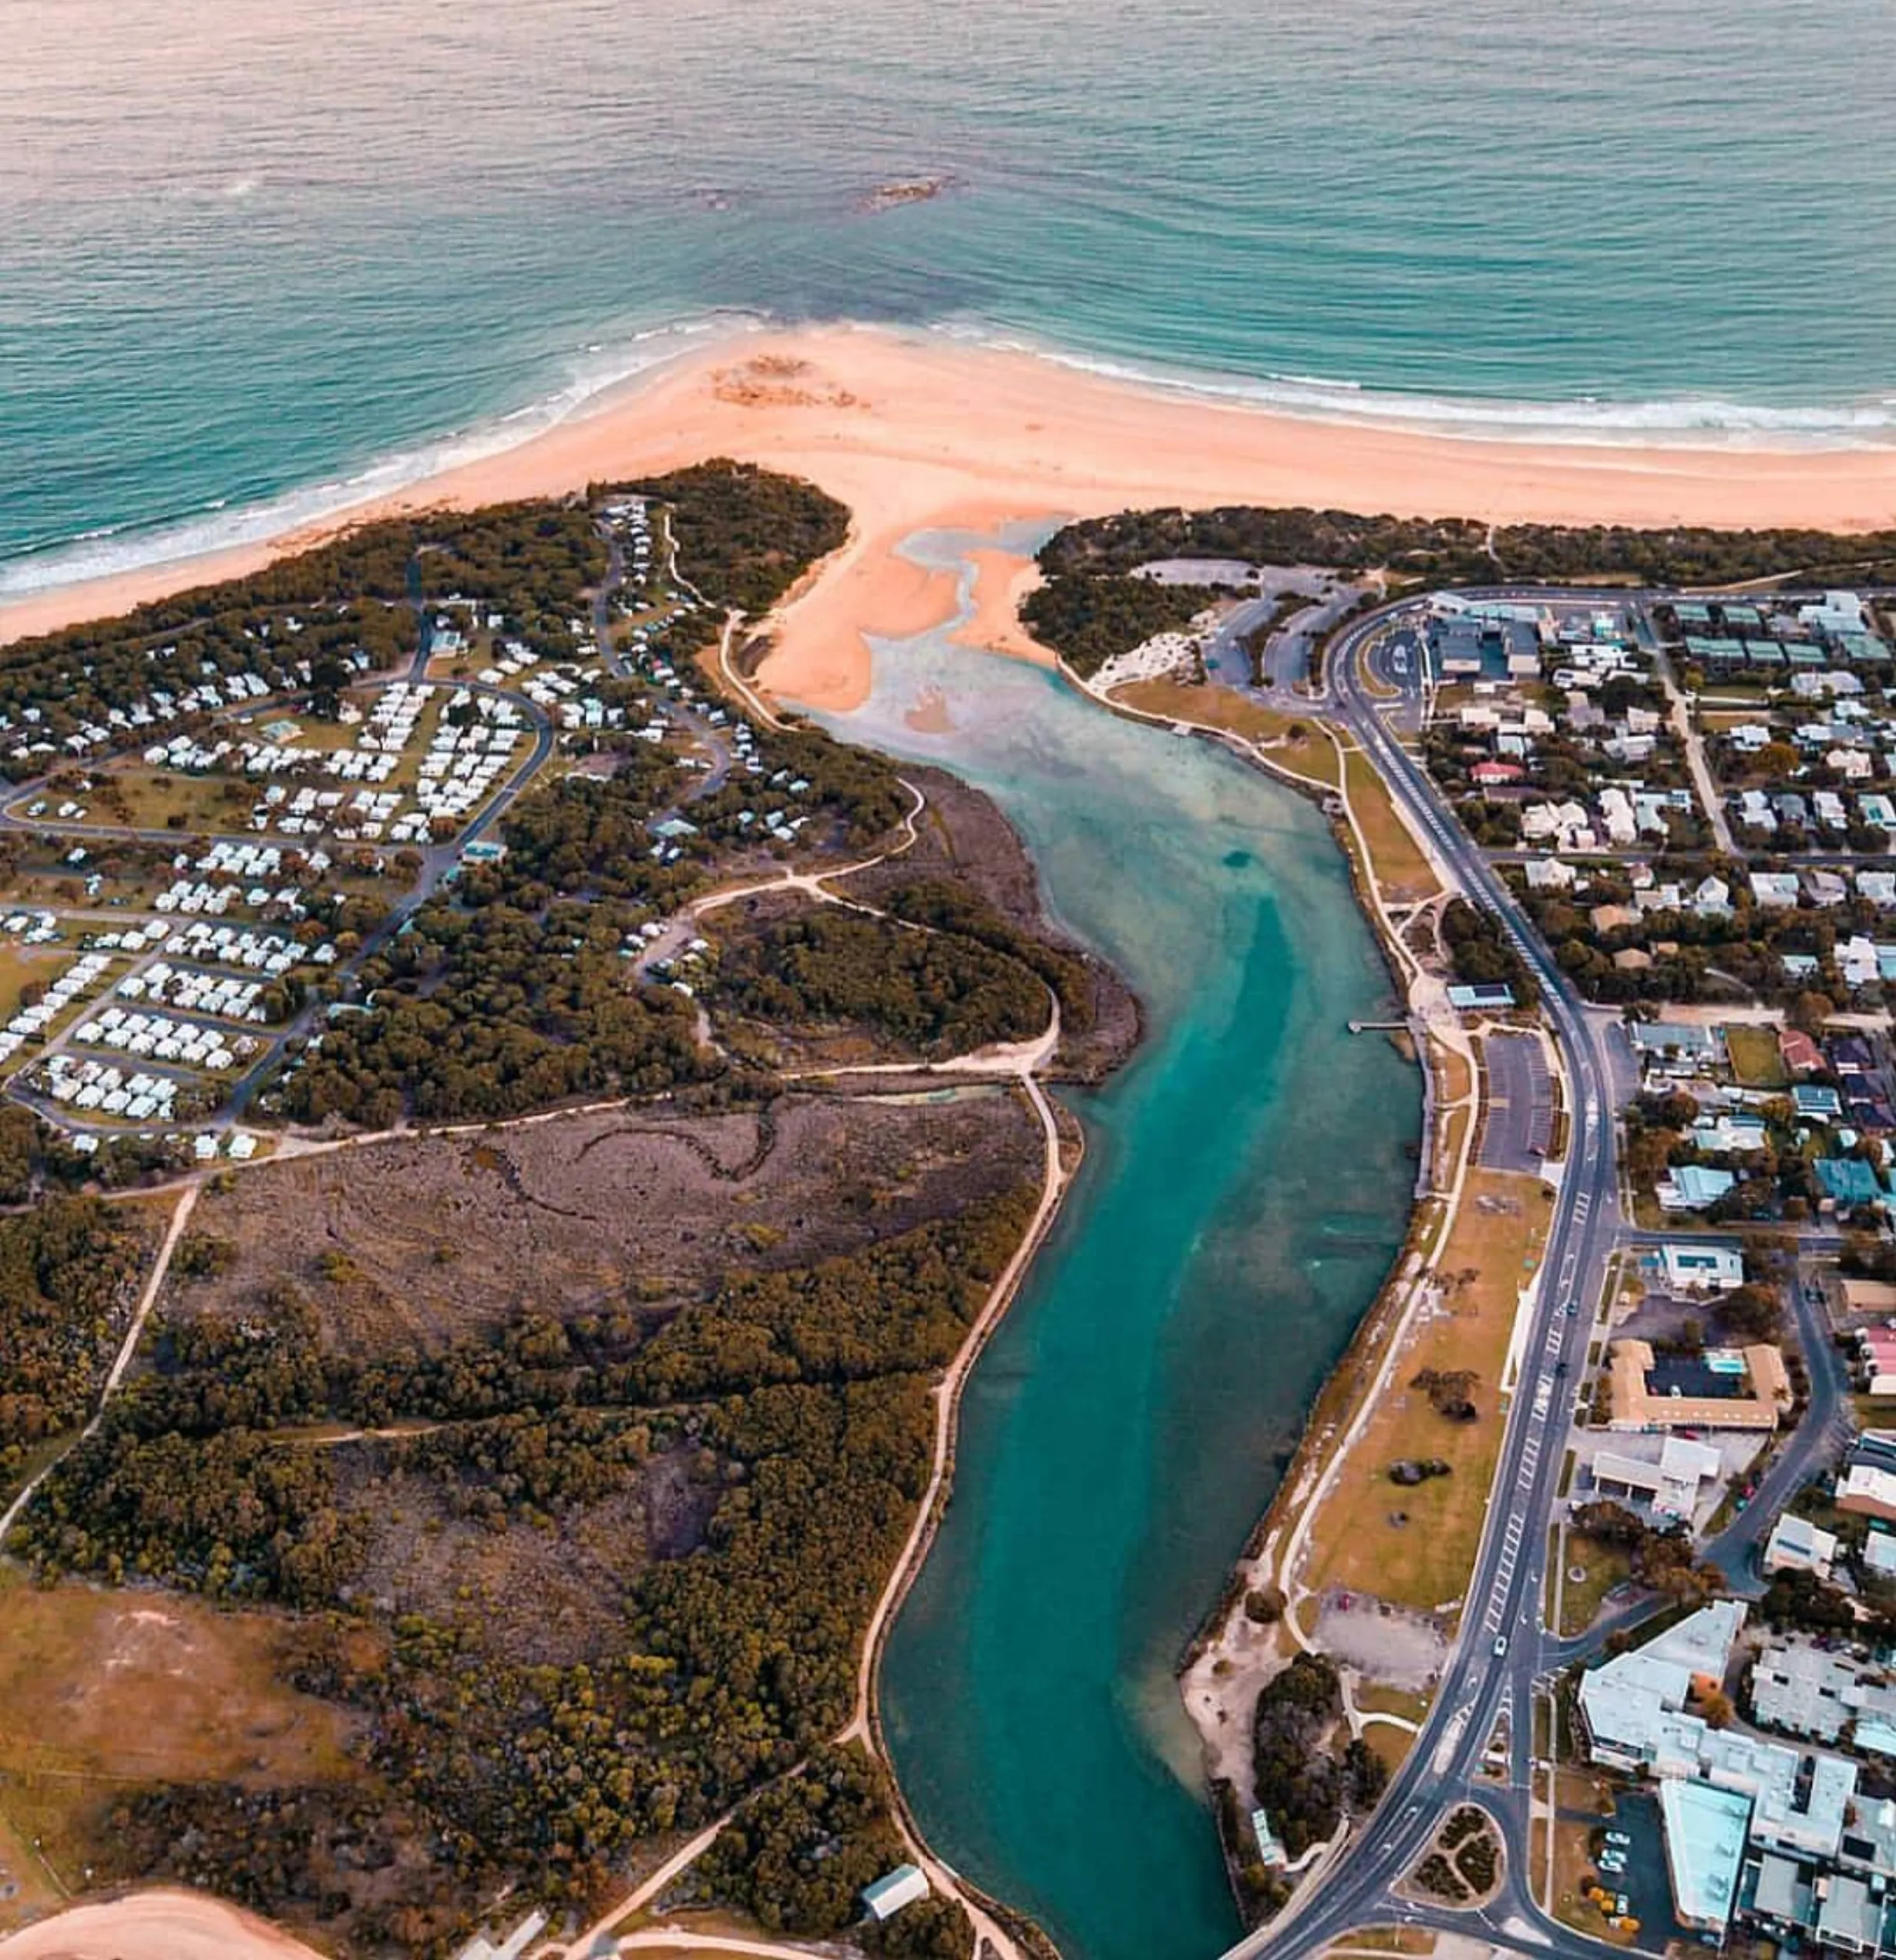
x=1755, y=1058
x=1307, y=754
x=135, y=796
x=1390, y=1744
x=1415, y=1546
x=1378, y=1698
x=20, y=965
x=1605, y=1566
x=1385, y=1939
x=1573, y=1860
x=35, y=1891
x=1400, y=869
x=99, y=1689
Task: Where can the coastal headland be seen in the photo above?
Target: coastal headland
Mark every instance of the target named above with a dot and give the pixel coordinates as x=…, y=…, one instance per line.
x=915, y=433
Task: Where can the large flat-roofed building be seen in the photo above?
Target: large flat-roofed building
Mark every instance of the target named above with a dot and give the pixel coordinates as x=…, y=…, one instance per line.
x=1799, y=1798
x=1704, y=1848
x=1805, y=1691
x=1688, y=1269
x=1633, y=1705
x=1747, y=1388
x=1670, y=1486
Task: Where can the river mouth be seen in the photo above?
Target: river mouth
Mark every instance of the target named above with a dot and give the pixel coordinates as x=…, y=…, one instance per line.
x=1247, y=1184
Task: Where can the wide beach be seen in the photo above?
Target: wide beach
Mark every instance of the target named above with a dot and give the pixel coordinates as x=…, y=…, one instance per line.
x=915, y=432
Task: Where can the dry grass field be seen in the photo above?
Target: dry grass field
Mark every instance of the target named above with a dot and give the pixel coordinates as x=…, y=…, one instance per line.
x=420, y=1241
x=1414, y=1546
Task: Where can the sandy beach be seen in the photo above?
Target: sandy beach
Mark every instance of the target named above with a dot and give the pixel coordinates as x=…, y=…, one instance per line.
x=156, y=1925
x=915, y=434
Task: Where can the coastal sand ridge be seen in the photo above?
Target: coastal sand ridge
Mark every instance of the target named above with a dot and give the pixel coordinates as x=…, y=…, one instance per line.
x=917, y=434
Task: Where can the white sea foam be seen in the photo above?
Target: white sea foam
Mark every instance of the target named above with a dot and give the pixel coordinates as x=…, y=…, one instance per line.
x=1686, y=422
x=599, y=366
x=215, y=526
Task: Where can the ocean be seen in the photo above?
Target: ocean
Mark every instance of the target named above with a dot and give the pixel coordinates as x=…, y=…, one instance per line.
x=256, y=260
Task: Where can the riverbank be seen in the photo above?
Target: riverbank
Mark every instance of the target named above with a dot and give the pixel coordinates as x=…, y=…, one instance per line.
x=1327, y=1532
x=916, y=433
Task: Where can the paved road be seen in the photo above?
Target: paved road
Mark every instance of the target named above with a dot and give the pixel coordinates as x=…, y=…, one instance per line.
x=1503, y=1650
x=1500, y=1651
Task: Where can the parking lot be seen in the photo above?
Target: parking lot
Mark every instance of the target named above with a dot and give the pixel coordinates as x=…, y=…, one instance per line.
x=1520, y=1105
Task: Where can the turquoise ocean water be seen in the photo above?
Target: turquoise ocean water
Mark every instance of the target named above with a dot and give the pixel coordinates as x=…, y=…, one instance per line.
x=250, y=254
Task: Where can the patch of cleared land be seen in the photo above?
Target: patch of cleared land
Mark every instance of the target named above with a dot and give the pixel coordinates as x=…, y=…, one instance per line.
x=99, y=1689
x=419, y=1242
x=1755, y=1058
x=1413, y=1546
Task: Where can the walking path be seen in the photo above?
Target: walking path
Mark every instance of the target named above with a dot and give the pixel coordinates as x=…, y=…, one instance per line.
x=181, y=1212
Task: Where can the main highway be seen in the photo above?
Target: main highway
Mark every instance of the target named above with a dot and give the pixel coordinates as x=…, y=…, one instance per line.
x=1488, y=1684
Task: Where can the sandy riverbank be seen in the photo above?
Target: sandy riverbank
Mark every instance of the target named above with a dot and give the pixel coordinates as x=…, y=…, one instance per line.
x=156, y=1925
x=914, y=434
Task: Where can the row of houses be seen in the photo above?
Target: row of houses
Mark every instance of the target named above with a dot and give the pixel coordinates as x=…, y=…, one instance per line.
x=102, y=1088
x=30, y=1022
x=212, y=695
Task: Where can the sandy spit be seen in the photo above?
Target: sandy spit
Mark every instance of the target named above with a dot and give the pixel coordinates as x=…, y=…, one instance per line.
x=914, y=434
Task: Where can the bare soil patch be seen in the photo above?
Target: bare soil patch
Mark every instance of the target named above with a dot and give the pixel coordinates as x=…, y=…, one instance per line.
x=545, y=1593
x=102, y=1692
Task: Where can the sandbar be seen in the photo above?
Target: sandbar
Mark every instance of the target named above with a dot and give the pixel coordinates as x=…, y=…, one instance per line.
x=162, y=1925
x=916, y=432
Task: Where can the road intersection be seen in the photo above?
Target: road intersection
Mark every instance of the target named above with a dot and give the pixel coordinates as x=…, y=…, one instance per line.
x=1504, y=1657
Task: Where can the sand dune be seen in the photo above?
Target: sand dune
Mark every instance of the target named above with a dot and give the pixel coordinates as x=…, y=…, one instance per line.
x=913, y=433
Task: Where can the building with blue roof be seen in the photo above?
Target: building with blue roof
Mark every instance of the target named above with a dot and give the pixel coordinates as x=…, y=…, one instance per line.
x=1692, y=1187
x=1848, y=1181
x=1705, y=1850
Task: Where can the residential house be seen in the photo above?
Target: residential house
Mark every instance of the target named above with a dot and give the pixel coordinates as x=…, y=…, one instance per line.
x=1797, y=1545
x=1693, y=1187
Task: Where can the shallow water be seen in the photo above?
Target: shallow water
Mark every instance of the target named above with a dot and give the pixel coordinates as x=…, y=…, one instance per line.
x=1246, y=1183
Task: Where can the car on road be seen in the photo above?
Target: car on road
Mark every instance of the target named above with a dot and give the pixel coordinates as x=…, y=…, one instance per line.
x=1500, y=1643
x=1618, y=1837
x=1571, y=1308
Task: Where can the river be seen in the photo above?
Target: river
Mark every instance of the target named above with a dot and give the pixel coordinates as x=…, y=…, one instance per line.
x=1246, y=1184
